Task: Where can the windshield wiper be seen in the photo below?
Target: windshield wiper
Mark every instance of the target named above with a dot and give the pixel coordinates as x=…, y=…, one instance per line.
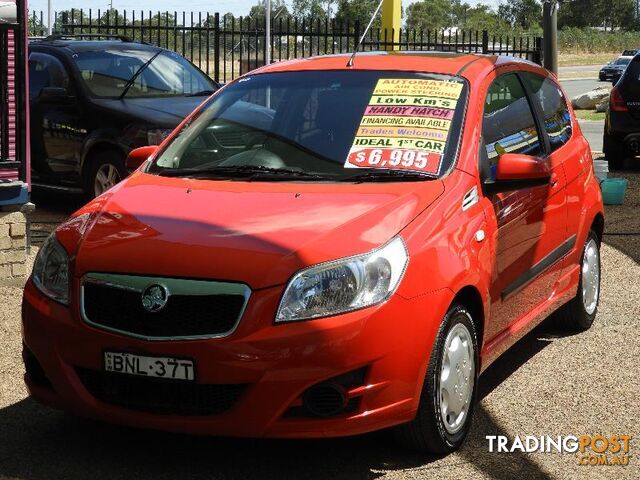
x=389, y=176
x=242, y=171
x=137, y=74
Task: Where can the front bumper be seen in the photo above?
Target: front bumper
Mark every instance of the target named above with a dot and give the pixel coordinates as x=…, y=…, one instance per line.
x=277, y=363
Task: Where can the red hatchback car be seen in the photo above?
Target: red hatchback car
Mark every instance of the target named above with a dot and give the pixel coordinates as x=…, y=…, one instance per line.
x=324, y=250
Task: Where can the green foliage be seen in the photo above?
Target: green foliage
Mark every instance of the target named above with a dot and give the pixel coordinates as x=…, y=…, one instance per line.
x=587, y=40
x=525, y=14
x=437, y=14
x=36, y=27
x=429, y=15
x=610, y=14
x=357, y=10
x=309, y=8
x=257, y=14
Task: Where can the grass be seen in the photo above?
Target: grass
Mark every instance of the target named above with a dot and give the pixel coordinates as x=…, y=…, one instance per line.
x=589, y=74
x=590, y=115
x=577, y=59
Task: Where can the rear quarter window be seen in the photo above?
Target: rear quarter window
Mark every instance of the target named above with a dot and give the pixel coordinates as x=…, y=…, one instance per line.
x=633, y=71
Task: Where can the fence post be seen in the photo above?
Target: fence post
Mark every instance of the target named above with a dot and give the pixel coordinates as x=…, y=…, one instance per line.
x=216, y=47
x=65, y=21
x=356, y=35
x=485, y=42
x=537, y=56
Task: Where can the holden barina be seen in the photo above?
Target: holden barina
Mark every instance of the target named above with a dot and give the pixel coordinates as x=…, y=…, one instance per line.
x=324, y=250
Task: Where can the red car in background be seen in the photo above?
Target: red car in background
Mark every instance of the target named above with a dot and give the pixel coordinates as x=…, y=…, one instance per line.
x=324, y=250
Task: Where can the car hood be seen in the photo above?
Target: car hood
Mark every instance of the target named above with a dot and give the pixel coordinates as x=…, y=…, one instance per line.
x=164, y=112
x=259, y=233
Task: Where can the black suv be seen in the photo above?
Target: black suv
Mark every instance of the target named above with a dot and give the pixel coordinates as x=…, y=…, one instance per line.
x=622, y=122
x=94, y=100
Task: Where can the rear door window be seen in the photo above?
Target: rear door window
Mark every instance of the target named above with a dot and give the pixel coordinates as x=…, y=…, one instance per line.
x=508, y=124
x=557, y=119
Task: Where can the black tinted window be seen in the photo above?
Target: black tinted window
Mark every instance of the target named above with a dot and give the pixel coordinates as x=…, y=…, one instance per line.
x=508, y=124
x=632, y=74
x=45, y=71
x=557, y=119
x=106, y=73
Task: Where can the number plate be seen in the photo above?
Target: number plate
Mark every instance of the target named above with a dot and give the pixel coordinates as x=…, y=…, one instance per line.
x=160, y=367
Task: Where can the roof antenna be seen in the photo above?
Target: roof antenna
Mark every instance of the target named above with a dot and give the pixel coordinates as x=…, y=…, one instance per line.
x=366, y=30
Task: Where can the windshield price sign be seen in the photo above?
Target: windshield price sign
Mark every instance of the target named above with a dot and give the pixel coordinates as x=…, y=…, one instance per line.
x=406, y=125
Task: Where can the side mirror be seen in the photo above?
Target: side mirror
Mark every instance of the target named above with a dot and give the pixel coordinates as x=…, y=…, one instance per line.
x=515, y=166
x=139, y=155
x=54, y=95
x=515, y=171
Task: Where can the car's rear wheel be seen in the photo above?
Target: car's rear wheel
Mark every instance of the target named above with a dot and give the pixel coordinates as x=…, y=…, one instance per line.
x=106, y=169
x=579, y=313
x=449, y=390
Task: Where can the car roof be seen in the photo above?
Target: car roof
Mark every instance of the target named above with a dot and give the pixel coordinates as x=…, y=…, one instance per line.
x=448, y=63
x=77, y=45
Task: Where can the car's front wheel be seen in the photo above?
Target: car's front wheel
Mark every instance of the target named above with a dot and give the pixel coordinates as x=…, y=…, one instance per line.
x=449, y=390
x=106, y=169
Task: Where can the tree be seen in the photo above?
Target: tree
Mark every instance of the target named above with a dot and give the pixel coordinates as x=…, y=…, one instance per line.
x=72, y=16
x=611, y=14
x=482, y=17
x=112, y=17
x=526, y=14
x=309, y=8
x=257, y=14
x=357, y=11
x=429, y=15
x=36, y=27
x=458, y=12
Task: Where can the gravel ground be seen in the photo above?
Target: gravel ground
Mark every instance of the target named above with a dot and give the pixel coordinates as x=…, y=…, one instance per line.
x=548, y=384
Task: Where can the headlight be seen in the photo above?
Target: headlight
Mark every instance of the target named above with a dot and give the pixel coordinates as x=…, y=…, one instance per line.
x=51, y=271
x=157, y=135
x=343, y=285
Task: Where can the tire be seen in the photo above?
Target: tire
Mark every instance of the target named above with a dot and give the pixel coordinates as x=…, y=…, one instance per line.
x=105, y=169
x=614, y=154
x=429, y=432
x=578, y=315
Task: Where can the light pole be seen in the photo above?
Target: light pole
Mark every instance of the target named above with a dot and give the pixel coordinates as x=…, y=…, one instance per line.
x=49, y=26
x=267, y=34
x=550, y=35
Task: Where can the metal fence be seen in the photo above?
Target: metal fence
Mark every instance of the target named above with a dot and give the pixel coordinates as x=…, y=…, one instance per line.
x=226, y=47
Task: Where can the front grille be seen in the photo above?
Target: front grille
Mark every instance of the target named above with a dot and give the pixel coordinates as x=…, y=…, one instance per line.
x=160, y=396
x=194, y=309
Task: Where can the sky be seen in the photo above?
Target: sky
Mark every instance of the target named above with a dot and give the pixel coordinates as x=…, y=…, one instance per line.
x=237, y=7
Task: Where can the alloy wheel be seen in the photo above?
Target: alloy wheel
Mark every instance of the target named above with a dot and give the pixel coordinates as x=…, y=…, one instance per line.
x=106, y=177
x=590, y=276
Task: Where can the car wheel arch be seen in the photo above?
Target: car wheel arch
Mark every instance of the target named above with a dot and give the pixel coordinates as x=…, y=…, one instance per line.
x=470, y=297
x=597, y=225
x=95, y=147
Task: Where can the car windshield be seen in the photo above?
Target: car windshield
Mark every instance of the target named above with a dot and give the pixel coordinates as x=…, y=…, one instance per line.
x=155, y=73
x=329, y=125
x=622, y=61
